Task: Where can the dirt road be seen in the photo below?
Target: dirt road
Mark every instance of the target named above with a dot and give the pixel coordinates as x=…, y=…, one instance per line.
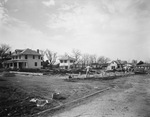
x=130, y=98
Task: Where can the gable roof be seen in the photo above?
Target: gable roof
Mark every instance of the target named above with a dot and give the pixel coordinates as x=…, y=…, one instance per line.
x=119, y=62
x=66, y=58
x=26, y=52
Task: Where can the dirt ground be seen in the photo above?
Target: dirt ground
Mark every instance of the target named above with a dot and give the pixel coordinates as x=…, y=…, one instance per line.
x=129, y=98
x=16, y=92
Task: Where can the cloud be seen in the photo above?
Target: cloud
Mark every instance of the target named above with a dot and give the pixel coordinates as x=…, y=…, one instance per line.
x=49, y=3
x=101, y=26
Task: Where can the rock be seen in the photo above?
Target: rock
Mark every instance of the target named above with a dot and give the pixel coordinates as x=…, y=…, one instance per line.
x=58, y=96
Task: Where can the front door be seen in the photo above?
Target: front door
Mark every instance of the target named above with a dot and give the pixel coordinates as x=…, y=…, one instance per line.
x=20, y=65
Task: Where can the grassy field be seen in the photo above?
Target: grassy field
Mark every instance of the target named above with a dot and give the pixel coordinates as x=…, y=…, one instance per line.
x=16, y=92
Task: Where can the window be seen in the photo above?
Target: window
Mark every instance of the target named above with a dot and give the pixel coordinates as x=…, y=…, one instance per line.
x=19, y=56
x=112, y=67
x=10, y=64
x=33, y=57
x=35, y=63
x=41, y=63
x=65, y=61
x=39, y=57
x=61, y=61
x=26, y=56
x=71, y=61
x=16, y=57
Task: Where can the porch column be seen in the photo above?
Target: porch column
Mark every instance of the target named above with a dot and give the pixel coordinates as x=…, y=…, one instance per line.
x=13, y=65
x=17, y=64
x=26, y=64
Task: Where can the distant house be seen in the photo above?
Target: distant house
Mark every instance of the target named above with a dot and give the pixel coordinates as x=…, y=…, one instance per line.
x=142, y=68
x=66, y=62
x=145, y=66
x=99, y=65
x=118, y=64
x=24, y=59
x=95, y=65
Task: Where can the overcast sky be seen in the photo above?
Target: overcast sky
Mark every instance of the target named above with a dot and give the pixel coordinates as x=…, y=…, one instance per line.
x=112, y=28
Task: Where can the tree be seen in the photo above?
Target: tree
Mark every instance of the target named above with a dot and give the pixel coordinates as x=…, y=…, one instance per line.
x=76, y=54
x=42, y=52
x=51, y=56
x=4, y=51
x=92, y=58
x=85, y=59
x=103, y=59
x=45, y=63
x=134, y=61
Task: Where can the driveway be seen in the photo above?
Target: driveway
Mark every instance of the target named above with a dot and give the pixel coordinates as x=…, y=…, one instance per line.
x=130, y=98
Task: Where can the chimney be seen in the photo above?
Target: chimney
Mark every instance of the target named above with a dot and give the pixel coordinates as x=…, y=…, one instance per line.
x=37, y=50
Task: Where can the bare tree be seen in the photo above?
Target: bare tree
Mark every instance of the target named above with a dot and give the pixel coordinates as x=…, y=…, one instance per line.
x=42, y=52
x=134, y=61
x=4, y=50
x=76, y=54
x=51, y=56
x=103, y=59
x=93, y=58
x=86, y=59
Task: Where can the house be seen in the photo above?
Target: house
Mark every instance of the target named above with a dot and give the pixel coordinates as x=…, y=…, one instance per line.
x=142, y=68
x=118, y=64
x=79, y=64
x=145, y=66
x=95, y=65
x=26, y=58
x=66, y=62
x=99, y=65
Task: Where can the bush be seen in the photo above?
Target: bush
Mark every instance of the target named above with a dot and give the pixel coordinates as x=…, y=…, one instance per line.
x=29, y=70
x=7, y=74
x=2, y=69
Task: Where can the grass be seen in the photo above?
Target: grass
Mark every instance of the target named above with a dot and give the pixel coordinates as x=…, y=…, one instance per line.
x=7, y=74
x=16, y=92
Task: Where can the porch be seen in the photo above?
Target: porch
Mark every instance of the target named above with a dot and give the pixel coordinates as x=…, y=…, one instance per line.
x=16, y=64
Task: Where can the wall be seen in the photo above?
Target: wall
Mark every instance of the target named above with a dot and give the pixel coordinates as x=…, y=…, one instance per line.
x=31, y=62
x=66, y=64
x=112, y=64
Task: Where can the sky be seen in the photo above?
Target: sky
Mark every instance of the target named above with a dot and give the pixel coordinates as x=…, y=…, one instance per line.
x=118, y=29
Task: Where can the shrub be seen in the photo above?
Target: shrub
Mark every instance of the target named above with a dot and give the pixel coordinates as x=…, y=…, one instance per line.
x=29, y=70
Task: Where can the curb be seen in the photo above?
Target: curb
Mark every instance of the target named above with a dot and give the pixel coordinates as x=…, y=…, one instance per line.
x=74, y=101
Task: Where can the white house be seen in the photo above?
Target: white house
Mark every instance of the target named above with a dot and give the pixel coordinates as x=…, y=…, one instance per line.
x=66, y=62
x=112, y=65
x=24, y=59
x=118, y=64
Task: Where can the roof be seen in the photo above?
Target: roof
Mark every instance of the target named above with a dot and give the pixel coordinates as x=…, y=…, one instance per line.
x=119, y=62
x=66, y=58
x=144, y=65
x=25, y=52
x=12, y=61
